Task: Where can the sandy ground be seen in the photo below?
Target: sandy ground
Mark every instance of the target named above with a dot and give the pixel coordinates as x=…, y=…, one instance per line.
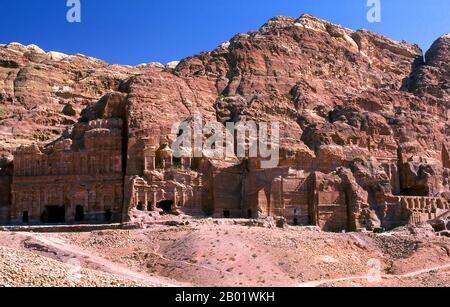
x=208, y=253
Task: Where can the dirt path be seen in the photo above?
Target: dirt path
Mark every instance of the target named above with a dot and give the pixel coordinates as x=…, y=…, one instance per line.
x=106, y=265
x=354, y=278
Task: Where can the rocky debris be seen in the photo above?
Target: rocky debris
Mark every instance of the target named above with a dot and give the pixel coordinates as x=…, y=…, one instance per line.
x=206, y=254
x=202, y=252
x=177, y=223
x=397, y=247
x=108, y=239
x=25, y=269
x=421, y=231
x=424, y=230
x=263, y=223
x=281, y=222
x=445, y=233
x=37, y=246
x=442, y=223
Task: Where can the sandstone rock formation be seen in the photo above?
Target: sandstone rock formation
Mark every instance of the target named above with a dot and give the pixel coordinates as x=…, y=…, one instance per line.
x=364, y=127
x=43, y=93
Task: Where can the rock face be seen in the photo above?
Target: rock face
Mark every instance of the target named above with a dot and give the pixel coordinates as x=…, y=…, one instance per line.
x=41, y=94
x=364, y=126
x=432, y=79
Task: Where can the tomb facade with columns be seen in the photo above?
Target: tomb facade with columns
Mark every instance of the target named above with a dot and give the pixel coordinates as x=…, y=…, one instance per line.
x=76, y=179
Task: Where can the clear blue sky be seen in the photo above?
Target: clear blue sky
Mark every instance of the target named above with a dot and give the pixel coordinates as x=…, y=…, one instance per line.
x=139, y=31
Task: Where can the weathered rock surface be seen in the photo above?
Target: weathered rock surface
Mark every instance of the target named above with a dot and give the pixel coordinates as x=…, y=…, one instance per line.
x=41, y=94
x=433, y=78
x=364, y=122
x=347, y=95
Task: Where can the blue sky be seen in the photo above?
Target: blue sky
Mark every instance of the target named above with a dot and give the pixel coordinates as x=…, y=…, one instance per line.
x=139, y=31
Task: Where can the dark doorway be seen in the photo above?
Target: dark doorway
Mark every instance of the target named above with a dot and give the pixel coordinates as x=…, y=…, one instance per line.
x=140, y=207
x=420, y=191
x=296, y=222
x=226, y=214
x=54, y=215
x=149, y=206
x=108, y=216
x=79, y=214
x=25, y=217
x=166, y=205
x=249, y=214
x=177, y=162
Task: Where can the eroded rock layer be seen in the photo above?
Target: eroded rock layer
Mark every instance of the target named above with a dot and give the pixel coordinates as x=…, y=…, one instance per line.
x=41, y=94
x=364, y=130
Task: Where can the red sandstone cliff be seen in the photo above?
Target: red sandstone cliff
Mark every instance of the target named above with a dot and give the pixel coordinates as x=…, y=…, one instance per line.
x=43, y=93
x=366, y=110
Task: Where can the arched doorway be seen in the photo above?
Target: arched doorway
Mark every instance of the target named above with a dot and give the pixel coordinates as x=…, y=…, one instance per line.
x=79, y=214
x=166, y=205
